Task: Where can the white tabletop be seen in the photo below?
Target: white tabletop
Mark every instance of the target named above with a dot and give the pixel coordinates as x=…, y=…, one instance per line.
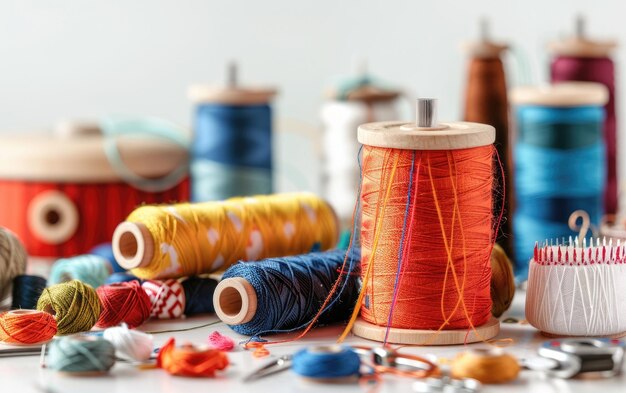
x=23, y=374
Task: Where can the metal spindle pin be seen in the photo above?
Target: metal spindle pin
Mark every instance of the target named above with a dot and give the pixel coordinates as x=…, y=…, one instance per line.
x=426, y=112
x=231, y=74
x=580, y=27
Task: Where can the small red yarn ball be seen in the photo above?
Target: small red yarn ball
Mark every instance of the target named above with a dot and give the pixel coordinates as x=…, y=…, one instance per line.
x=123, y=302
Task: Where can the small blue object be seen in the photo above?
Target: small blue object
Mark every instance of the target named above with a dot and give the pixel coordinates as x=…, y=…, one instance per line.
x=231, y=154
x=560, y=167
x=26, y=291
x=105, y=250
x=199, y=295
x=326, y=362
x=76, y=354
x=121, y=277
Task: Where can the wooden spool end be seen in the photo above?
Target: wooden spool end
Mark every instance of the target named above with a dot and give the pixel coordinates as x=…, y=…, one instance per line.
x=484, y=49
x=555, y=335
x=133, y=246
x=577, y=47
x=563, y=94
x=427, y=337
x=235, y=301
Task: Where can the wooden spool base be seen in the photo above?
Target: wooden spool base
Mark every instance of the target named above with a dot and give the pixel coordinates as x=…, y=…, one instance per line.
x=552, y=335
x=427, y=337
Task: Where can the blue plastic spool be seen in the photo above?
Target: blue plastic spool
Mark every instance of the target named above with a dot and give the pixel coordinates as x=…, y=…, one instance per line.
x=559, y=168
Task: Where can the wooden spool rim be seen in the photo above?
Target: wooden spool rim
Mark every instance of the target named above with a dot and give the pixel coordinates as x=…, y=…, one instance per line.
x=133, y=245
x=366, y=94
x=556, y=335
x=235, y=301
x=484, y=49
x=200, y=94
x=82, y=159
x=577, y=47
x=564, y=94
x=405, y=135
x=374, y=332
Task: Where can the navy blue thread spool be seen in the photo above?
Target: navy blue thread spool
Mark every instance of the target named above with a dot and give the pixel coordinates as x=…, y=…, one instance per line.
x=231, y=154
x=559, y=162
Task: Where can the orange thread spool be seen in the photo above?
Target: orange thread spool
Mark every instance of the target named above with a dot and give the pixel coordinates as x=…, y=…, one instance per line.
x=445, y=231
x=27, y=327
x=190, y=361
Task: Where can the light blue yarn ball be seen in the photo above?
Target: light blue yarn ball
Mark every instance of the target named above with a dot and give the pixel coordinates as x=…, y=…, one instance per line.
x=77, y=354
x=89, y=269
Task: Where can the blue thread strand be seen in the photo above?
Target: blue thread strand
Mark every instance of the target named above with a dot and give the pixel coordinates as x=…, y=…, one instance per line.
x=316, y=364
x=291, y=290
x=232, y=151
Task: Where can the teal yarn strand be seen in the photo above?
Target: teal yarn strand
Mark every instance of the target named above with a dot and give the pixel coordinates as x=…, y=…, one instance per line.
x=89, y=269
x=81, y=354
x=560, y=167
x=326, y=362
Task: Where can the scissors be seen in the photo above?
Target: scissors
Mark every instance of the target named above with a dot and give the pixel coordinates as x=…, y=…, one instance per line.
x=382, y=360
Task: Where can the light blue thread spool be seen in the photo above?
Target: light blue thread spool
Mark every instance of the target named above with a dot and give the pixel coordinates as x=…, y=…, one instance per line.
x=90, y=269
x=81, y=354
x=559, y=162
x=232, y=148
x=326, y=362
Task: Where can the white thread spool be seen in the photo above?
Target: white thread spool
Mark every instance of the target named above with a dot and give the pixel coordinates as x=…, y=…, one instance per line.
x=578, y=295
x=341, y=118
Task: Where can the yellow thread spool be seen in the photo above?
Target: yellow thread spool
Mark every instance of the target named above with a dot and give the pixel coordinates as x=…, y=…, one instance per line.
x=170, y=241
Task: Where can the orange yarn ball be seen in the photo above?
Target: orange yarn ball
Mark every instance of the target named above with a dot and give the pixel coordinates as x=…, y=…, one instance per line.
x=123, y=302
x=27, y=327
x=190, y=361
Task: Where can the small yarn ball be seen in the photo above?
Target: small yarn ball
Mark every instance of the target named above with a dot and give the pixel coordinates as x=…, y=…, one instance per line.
x=27, y=327
x=90, y=269
x=121, y=277
x=75, y=306
x=487, y=366
x=502, y=281
x=199, y=295
x=81, y=354
x=105, y=250
x=12, y=260
x=130, y=344
x=190, y=361
x=221, y=342
x=326, y=362
x=26, y=291
x=123, y=302
x=166, y=297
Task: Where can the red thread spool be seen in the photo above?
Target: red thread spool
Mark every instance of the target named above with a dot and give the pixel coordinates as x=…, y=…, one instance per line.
x=436, y=178
x=581, y=59
x=65, y=197
x=167, y=298
x=123, y=302
x=190, y=361
x=27, y=327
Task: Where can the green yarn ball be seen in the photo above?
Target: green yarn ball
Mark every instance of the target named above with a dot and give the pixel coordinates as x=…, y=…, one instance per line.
x=75, y=306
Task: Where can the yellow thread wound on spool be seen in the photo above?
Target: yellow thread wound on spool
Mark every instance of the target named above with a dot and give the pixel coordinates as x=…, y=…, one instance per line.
x=487, y=366
x=186, y=239
x=75, y=306
x=502, y=281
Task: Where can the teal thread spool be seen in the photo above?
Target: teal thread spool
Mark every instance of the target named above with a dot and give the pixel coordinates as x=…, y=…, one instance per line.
x=89, y=269
x=333, y=363
x=560, y=164
x=82, y=355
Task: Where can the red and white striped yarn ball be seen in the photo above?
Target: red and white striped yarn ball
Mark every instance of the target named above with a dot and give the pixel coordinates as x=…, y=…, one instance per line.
x=167, y=298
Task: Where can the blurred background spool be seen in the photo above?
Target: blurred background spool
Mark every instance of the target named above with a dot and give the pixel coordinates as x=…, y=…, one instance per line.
x=284, y=294
x=232, y=149
x=422, y=182
x=90, y=269
x=354, y=101
x=580, y=58
x=578, y=290
x=67, y=191
x=188, y=239
x=486, y=102
x=26, y=291
x=12, y=260
x=560, y=162
x=81, y=355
